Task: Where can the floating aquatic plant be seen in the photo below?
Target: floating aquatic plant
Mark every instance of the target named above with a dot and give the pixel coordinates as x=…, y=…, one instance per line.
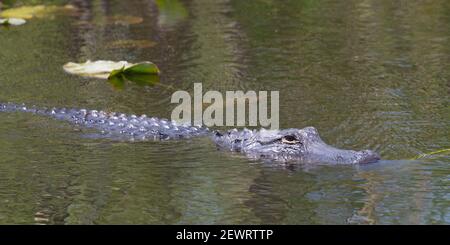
x=431, y=154
x=37, y=11
x=12, y=22
x=98, y=69
x=144, y=73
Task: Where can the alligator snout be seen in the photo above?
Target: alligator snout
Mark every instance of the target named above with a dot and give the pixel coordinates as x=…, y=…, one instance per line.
x=367, y=156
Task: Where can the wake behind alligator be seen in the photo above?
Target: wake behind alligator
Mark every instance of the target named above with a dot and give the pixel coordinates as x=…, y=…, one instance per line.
x=287, y=146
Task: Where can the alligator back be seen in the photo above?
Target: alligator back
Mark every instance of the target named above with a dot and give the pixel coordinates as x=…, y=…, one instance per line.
x=115, y=124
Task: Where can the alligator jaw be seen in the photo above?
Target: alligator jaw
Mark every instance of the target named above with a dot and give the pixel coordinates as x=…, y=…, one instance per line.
x=323, y=153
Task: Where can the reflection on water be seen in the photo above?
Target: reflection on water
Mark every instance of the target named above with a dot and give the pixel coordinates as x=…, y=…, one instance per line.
x=367, y=74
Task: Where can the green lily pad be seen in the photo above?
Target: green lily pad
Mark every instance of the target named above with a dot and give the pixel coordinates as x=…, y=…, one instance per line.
x=37, y=11
x=142, y=79
x=117, y=80
x=143, y=74
x=12, y=21
x=142, y=68
x=116, y=72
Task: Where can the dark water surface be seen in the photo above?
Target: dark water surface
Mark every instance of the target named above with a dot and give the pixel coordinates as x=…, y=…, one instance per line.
x=368, y=74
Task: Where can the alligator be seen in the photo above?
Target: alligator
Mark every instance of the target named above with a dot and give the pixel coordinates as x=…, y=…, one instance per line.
x=287, y=146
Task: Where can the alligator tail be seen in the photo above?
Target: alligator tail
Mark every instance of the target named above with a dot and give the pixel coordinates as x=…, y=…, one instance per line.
x=115, y=124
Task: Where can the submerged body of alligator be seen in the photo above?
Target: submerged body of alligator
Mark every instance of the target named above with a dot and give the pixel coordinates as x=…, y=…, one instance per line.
x=289, y=145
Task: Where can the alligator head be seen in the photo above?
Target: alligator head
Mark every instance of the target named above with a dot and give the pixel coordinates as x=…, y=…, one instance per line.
x=290, y=145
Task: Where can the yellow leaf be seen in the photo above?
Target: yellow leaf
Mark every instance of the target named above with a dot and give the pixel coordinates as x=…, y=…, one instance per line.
x=37, y=11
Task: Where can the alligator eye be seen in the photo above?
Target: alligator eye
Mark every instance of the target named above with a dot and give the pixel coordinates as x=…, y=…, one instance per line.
x=289, y=139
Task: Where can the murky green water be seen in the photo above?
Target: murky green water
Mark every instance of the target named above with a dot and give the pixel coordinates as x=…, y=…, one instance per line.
x=368, y=74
